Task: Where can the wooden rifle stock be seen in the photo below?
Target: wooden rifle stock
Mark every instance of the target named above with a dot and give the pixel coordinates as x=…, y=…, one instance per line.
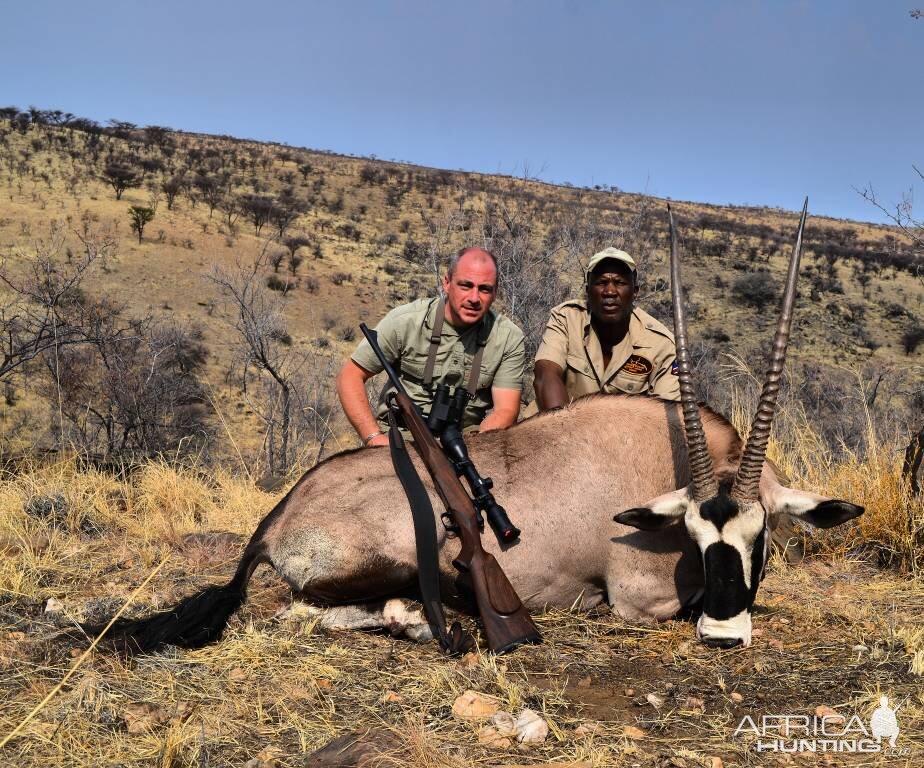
x=507, y=623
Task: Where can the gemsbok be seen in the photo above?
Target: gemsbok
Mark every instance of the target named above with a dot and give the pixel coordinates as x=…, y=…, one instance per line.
x=692, y=507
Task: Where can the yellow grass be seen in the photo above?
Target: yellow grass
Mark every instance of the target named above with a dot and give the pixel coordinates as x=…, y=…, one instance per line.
x=832, y=631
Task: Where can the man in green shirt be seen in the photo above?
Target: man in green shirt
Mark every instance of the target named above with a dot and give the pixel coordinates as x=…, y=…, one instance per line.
x=455, y=340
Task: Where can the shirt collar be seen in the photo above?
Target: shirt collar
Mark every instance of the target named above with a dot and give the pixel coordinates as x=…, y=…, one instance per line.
x=637, y=331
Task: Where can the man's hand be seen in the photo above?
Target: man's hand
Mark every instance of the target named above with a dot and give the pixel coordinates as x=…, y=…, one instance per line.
x=549, y=384
x=505, y=412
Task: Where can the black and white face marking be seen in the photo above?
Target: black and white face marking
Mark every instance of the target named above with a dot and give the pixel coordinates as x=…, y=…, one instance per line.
x=731, y=536
x=734, y=541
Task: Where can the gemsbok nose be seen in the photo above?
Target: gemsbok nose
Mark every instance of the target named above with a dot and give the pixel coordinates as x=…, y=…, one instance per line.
x=722, y=642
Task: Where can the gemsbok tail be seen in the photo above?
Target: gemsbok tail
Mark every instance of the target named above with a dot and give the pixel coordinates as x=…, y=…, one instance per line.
x=196, y=621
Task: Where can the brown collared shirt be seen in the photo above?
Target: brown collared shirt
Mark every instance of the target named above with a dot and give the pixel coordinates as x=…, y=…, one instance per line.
x=643, y=362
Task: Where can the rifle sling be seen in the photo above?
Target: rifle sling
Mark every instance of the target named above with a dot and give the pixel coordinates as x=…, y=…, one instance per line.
x=455, y=641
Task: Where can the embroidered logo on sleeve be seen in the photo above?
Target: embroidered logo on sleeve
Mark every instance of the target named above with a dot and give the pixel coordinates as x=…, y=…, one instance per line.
x=675, y=368
x=637, y=365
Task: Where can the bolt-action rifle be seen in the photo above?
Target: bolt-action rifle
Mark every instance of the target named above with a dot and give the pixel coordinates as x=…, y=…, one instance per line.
x=506, y=622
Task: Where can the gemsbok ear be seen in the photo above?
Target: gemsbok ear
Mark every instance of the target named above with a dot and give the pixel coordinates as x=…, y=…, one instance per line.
x=830, y=513
x=658, y=513
x=816, y=510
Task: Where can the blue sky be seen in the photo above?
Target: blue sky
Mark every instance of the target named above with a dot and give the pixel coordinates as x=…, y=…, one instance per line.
x=726, y=102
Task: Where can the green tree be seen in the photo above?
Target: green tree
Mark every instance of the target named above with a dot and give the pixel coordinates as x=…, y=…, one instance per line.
x=140, y=216
x=121, y=175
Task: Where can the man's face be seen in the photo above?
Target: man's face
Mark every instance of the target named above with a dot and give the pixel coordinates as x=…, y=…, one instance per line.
x=471, y=289
x=611, y=292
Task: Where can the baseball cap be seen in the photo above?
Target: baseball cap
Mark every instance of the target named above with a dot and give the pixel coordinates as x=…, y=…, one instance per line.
x=610, y=253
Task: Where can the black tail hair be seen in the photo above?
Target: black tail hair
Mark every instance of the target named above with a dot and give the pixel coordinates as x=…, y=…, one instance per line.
x=196, y=621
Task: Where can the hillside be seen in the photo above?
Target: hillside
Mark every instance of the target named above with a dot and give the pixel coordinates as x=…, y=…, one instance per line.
x=352, y=236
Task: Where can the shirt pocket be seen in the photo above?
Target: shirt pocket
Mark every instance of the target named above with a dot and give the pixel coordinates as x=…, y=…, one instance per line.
x=413, y=369
x=580, y=367
x=490, y=364
x=630, y=384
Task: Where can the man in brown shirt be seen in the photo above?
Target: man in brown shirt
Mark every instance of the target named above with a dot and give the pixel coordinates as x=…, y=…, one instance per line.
x=605, y=344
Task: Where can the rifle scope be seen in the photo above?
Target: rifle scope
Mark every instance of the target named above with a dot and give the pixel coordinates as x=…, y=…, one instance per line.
x=445, y=421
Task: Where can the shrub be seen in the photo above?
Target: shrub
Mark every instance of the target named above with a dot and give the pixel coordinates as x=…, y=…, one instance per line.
x=756, y=289
x=912, y=338
x=276, y=283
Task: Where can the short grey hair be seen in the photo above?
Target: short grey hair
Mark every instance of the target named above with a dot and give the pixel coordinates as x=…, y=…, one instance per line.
x=457, y=257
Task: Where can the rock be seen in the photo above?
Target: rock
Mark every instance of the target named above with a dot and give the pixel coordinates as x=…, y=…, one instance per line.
x=736, y=697
x=587, y=729
x=54, y=605
x=392, y=697
x=142, y=717
x=490, y=737
x=505, y=723
x=633, y=732
x=530, y=728
x=777, y=645
x=695, y=703
x=472, y=705
x=656, y=701
x=237, y=674
x=266, y=758
x=630, y=691
x=469, y=660
x=830, y=715
x=714, y=762
x=360, y=749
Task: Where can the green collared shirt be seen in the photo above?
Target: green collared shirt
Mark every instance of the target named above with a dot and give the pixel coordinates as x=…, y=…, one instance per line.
x=643, y=362
x=404, y=336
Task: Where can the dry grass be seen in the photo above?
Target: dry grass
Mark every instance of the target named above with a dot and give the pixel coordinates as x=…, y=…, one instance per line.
x=833, y=631
x=892, y=527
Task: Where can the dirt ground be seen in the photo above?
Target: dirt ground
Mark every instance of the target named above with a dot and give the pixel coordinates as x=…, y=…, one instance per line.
x=828, y=633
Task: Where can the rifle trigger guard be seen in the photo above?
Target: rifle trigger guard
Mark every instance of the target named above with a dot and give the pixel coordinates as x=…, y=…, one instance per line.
x=448, y=524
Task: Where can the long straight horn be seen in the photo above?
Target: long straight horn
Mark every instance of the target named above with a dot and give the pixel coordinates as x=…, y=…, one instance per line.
x=747, y=478
x=704, y=484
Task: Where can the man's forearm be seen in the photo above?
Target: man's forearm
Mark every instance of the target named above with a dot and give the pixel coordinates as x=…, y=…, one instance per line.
x=351, y=389
x=550, y=386
x=499, y=420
